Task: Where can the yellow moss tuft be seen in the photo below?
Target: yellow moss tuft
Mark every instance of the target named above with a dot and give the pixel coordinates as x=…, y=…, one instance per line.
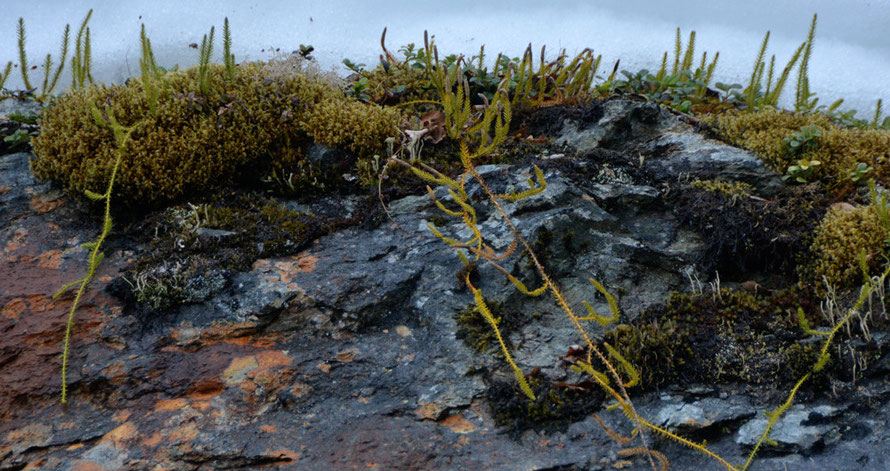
x=401, y=83
x=731, y=190
x=838, y=149
x=840, y=238
x=351, y=124
x=196, y=142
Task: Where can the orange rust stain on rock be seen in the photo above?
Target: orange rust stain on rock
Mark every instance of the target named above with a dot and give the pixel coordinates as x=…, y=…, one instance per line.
x=248, y=386
x=205, y=389
x=51, y=259
x=238, y=369
x=43, y=205
x=31, y=435
x=17, y=240
x=153, y=440
x=346, y=356
x=116, y=371
x=40, y=303
x=14, y=308
x=170, y=404
x=184, y=434
x=264, y=343
x=4, y=189
x=121, y=434
x=300, y=389
x=268, y=429
x=458, y=424
x=75, y=446
x=429, y=411
x=307, y=263
x=81, y=465
x=202, y=406
x=122, y=416
x=243, y=341
x=42, y=463
x=272, y=358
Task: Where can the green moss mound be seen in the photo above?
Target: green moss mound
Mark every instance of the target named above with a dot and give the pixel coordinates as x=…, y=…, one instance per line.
x=840, y=239
x=261, y=118
x=839, y=149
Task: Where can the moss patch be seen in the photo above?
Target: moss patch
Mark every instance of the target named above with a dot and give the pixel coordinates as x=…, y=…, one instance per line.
x=557, y=405
x=476, y=333
x=839, y=149
x=196, y=142
x=745, y=234
x=843, y=235
x=196, y=248
x=733, y=336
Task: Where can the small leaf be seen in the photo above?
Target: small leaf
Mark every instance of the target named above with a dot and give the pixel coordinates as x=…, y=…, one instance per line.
x=93, y=195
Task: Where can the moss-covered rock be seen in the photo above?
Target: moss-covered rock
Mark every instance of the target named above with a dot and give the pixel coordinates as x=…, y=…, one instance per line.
x=258, y=119
x=838, y=149
x=197, y=247
x=715, y=337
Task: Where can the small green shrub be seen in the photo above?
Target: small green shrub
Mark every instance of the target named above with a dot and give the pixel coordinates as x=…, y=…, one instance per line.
x=802, y=171
x=805, y=139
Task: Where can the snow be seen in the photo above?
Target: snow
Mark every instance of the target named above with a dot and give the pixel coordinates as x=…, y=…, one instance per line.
x=851, y=58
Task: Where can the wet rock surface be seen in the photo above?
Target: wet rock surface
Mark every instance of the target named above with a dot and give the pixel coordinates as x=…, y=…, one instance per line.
x=345, y=355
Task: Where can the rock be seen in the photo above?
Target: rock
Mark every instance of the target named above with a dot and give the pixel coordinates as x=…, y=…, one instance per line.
x=622, y=123
x=800, y=429
x=685, y=153
x=326, y=158
x=680, y=416
x=346, y=355
x=15, y=105
x=210, y=235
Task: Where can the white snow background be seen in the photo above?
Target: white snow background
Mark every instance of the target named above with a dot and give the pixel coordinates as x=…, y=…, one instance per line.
x=851, y=57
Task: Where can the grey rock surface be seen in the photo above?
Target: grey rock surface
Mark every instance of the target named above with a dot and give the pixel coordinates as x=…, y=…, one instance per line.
x=346, y=355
